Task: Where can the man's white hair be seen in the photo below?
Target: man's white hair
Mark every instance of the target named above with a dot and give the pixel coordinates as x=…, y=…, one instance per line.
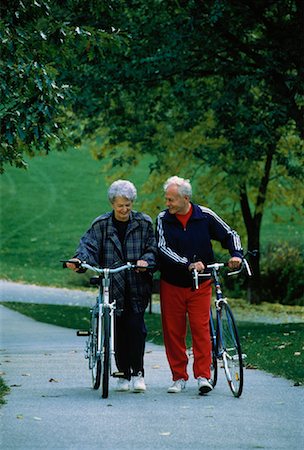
x=183, y=185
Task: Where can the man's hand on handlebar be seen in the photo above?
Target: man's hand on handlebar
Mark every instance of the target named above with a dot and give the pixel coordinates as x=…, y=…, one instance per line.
x=234, y=263
x=198, y=265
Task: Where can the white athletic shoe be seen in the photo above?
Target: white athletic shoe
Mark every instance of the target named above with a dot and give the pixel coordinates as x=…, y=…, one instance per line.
x=138, y=383
x=123, y=385
x=177, y=386
x=204, y=385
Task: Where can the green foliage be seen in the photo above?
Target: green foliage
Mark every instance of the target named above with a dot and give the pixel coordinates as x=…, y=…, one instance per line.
x=213, y=90
x=282, y=274
x=43, y=46
x=282, y=268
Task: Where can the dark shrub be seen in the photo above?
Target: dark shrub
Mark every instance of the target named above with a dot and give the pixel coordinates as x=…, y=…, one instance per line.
x=282, y=268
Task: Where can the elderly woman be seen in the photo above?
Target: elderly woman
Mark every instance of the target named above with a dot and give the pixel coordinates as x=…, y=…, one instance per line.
x=114, y=238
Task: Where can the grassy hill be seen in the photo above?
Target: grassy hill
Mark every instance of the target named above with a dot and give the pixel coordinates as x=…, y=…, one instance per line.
x=46, y=209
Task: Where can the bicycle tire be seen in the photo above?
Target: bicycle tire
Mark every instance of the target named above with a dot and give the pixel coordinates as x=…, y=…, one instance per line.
x=231, y=350
x=106, y=353
x=94, y=358
x=213, y=367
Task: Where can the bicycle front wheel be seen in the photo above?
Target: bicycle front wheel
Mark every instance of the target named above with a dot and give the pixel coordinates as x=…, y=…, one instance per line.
x=94, y=358
x=231, y=350
x=106, y=353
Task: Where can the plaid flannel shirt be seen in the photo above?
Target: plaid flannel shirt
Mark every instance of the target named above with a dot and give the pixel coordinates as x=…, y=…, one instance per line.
x=101, y=246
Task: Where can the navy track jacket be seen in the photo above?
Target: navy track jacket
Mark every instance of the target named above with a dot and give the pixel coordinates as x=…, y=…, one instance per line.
x=179, y=247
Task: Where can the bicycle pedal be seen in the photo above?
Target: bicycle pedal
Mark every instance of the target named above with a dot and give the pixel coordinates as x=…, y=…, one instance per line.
x=118, y=374
x=94, y=281
x=82, y=333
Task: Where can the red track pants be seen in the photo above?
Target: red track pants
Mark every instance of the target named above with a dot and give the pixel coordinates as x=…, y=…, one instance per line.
x=176, y=303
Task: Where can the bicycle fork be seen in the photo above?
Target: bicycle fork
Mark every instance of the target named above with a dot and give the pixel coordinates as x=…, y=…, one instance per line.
x=111, y=307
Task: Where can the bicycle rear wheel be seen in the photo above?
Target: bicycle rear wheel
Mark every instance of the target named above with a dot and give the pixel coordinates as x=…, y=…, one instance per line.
x=231, y=350
x=106, y=353
x=94, y=358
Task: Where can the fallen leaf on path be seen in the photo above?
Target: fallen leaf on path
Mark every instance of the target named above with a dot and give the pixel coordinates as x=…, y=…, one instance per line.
x=250, y=366
x=165, y=433
x=25, y=374
x=156, y=366
x=19, y=416
x=37, y=418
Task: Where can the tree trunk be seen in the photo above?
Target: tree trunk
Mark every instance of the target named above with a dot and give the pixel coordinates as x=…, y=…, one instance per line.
x=253, y=238
x=253, y=226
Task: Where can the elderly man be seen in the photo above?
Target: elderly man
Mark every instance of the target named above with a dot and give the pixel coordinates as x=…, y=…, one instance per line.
x=184, y=234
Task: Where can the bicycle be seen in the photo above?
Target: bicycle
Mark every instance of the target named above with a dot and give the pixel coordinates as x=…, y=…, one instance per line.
x=225, y=342
x=100, y=346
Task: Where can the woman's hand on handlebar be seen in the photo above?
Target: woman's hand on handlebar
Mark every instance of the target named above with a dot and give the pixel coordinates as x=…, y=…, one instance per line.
x=142, y=263
x=73, y=266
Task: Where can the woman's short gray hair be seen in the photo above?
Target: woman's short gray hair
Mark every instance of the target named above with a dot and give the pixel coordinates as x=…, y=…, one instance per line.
x=183, y=185
x=122, y=188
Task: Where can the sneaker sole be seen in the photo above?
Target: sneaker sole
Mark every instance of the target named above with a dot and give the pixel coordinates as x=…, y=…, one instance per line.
x=204, y=390
x=175, y=392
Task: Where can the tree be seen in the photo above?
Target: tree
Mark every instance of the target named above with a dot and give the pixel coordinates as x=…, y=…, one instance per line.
x=230, y=75
x=43, y=74
x=218, y=81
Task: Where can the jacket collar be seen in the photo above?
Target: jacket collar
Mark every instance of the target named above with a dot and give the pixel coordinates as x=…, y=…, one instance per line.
x=196, y=214
x=112, y=233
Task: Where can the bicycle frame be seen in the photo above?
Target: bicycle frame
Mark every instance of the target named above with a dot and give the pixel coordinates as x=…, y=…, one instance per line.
x=105, y=352
x=103, y=301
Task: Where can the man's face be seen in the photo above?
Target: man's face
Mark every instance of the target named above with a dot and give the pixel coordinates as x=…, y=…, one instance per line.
x=176, y=203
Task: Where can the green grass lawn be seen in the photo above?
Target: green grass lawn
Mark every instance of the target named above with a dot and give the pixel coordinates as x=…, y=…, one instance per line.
x=277, y=349
x=46, y=209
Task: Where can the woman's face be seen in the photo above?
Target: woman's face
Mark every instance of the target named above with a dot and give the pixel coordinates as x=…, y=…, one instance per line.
x=122, y=208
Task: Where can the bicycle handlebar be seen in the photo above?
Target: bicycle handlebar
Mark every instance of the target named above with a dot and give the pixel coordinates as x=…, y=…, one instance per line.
x=100, y=270
x=216, y=267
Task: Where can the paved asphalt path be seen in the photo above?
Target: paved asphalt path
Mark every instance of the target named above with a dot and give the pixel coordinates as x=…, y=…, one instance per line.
x=51, y=403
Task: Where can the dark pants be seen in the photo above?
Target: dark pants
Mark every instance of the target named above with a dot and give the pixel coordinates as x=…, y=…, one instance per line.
x=130, y=337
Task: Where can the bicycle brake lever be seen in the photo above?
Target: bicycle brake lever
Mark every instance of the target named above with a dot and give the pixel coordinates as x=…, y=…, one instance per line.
x=195, y=278
x=247, y=267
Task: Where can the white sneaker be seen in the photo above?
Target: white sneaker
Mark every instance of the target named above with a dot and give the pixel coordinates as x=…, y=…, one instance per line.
x=204, y=385
x=138, y=383
x=177, y=386
x=123, y=385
